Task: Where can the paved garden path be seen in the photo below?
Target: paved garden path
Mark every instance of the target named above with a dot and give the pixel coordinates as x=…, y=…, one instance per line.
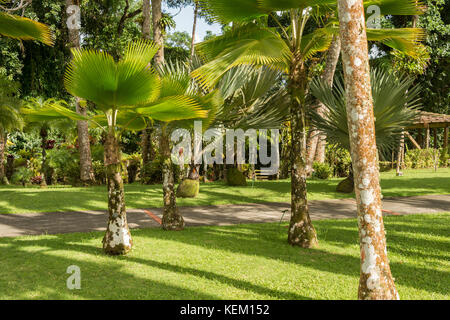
x=12, y=225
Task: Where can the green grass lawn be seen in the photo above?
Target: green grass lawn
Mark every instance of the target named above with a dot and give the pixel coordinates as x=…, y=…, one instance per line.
x=20, y=200
x=235, y=262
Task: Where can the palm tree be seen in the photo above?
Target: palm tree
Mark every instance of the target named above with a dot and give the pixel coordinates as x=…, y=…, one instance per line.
x=176, y=80
x=13, y=26
x=126, y=95
x=288, y=49
x=395, y=100
x=10, y=117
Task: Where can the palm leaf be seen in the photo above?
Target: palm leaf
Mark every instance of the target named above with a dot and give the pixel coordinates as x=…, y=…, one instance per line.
x=94, y=76
x=38, y=110
x=173, y=108
x=247, y=45
x=395, y=101
x=16, y=27
x=402, y=39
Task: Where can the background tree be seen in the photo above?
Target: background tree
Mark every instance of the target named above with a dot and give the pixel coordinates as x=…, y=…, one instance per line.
x=84, y=147
x=376, y=281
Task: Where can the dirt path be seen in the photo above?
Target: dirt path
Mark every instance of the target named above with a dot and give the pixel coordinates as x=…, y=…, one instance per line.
x=12, y=225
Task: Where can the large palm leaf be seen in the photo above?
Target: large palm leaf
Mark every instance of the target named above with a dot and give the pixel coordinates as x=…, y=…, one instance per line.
x=395, y=101
x=16, y=27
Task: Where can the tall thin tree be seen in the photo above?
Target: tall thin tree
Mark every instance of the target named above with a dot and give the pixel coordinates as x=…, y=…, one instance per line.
x=148, y=149
x=84, y=147
x=376, y=281
x=158, y=30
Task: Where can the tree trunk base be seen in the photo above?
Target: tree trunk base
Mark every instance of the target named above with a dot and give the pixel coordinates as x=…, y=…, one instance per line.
x=302, y=234
x=117, y=239
x=172, y=222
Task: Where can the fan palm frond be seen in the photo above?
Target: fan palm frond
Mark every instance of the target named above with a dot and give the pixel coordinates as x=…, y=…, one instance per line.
x=17, y=27
x=395, y=102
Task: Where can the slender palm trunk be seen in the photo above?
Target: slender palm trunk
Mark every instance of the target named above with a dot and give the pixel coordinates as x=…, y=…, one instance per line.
x=301, y=231
x=194, y=27
x=157, y=30
x=117, y=239
x=86, y=170
x=317, y=139
x=376, y=281
x=172, y=219
x=3, y=139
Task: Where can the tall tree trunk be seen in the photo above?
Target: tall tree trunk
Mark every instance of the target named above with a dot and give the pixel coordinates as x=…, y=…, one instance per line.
x=146, y=15
x=44, y=135
x=194, y=27
x=87, y=176
x=376, y=281
x=301, y=231
x=148, y=152
x=172, y=219
x=317, y=139
x=3, y=139
x=157, y=30
x=117, y=239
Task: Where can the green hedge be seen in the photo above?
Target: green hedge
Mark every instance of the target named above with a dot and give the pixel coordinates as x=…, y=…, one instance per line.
x=426, y=158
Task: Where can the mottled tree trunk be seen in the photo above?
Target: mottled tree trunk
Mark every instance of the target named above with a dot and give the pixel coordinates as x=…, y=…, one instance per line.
x=117, y=239
x=3, y=139
x=376, y=281
x=317, y=139
x=301, y=231
x=172, y=219
x=157, y=30
x=285, y=151
x=44, y=136
x=194, y=27
x=87, y=176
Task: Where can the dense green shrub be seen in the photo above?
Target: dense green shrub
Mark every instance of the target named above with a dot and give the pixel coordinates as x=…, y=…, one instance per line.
x=188, y=188
x=339, y=159
x=99, y=171
x=65, y=162
x=22, y=175
x=426, y=158
x=322, y=170
x=385, y=166
x=234, y=177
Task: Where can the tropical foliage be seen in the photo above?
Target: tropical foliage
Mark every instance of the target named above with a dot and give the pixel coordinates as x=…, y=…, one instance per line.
x=395, y=106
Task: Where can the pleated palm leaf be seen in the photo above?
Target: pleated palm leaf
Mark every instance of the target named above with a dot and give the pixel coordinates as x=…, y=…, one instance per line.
x=13, y=26
x=127, y=94
x=287, y=49
x=395, y=101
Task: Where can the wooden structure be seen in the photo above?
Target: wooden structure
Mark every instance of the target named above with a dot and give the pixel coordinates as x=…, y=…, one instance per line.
x=424, y=121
